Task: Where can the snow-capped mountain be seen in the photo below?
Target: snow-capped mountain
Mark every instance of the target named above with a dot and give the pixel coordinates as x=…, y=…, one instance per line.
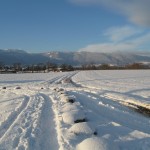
x=74, y=58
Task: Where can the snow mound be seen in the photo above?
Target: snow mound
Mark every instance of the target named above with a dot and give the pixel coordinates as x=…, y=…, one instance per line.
x=68, y=98
x=82, y=128
x=95, y=143
x=73, y=117
x=69, y=107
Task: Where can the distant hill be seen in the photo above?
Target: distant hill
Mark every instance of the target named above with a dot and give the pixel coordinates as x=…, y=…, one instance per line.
x=74, y=58
x=18, y=56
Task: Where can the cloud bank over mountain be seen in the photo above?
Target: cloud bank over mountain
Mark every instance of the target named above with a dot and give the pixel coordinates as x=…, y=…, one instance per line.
x=74, y=58
x=125, y=38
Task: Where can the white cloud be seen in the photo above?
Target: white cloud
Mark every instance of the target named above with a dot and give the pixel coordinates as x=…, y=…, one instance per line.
x=125, y=38
x=109, y=47
x=117, y=34
x=137, y=11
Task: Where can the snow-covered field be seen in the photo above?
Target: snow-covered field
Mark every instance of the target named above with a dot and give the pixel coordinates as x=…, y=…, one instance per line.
x=88, y=110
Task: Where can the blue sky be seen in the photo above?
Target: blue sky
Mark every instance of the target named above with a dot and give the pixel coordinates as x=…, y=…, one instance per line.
x=75, y=25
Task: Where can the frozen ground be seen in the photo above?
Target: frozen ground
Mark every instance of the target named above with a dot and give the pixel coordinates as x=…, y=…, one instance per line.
x=98, y=110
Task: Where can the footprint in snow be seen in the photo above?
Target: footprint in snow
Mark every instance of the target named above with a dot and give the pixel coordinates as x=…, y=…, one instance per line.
x=16, y=141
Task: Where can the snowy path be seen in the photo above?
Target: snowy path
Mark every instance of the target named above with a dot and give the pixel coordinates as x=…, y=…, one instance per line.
x=62, y=110
x=48, y=138
x=29, y=127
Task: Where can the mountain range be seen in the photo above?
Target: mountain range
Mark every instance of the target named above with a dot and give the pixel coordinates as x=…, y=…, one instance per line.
x=12, y=56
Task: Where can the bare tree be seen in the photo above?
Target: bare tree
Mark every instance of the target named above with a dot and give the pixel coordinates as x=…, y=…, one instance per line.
x=1, y=65
x=17, y=67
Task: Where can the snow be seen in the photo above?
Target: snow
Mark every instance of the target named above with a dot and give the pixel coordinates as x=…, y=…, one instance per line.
x=73, y=116
x=67, y=98
x=95, y=143
x=108, y=110
x=82, y=128
x=112, y=80
x=69, y=107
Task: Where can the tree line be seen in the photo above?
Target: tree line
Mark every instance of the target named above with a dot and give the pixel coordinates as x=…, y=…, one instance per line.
x=47, y=67
x=114, y=67
x=40, y=67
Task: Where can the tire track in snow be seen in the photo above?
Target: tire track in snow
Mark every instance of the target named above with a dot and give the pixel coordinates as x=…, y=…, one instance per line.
x=40, y=130
x=30, y=119
x=66, y=76
x=48, y=139
x=22, y=132
x=33, y=128
x=135, y=105
x=6, y=126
